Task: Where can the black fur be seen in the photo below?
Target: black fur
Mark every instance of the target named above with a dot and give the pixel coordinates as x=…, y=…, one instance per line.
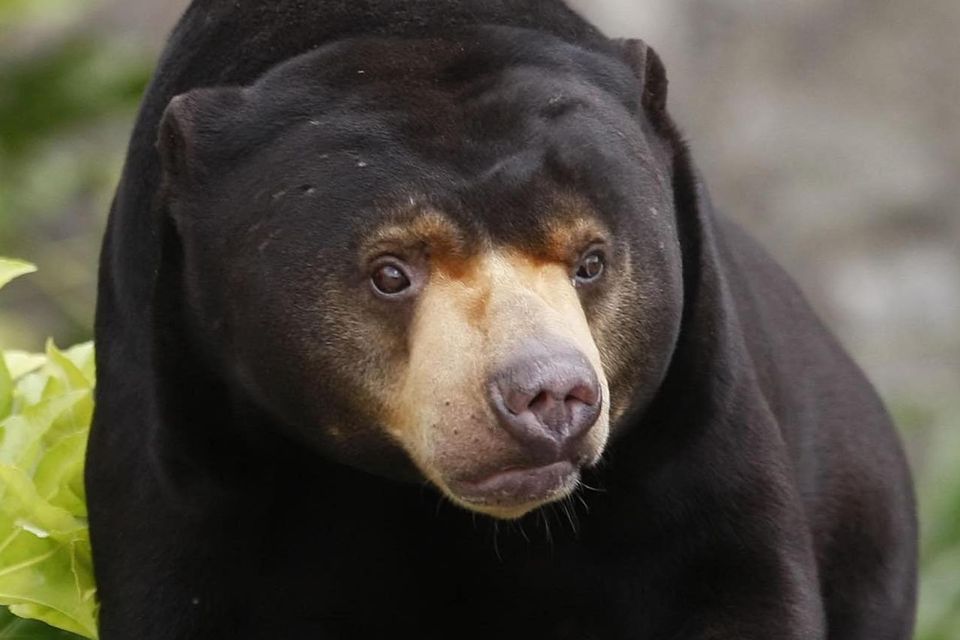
x=757, y=492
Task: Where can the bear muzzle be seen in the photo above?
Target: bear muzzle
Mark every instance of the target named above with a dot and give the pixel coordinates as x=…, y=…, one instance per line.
x=546, y=401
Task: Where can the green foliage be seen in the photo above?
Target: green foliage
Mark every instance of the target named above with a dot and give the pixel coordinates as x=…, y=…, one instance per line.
x=46, y=403
x=14, y=12
x=10, y=269
x=71, y=85
x=68, y=95
x=14, y=628
x=78, y=84
x=939, y=489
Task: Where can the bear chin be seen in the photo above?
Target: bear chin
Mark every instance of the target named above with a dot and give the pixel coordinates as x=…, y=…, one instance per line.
x=511, y=493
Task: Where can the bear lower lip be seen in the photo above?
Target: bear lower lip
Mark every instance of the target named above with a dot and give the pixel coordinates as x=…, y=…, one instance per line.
x=519, y=486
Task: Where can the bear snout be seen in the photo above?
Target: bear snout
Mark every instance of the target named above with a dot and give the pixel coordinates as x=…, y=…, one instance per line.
x=546, y=400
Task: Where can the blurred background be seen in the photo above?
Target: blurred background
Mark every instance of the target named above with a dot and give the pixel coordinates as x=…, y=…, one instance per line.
x=830, y=129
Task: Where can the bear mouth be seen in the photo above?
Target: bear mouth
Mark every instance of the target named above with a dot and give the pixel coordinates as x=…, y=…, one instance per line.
x=519, y=487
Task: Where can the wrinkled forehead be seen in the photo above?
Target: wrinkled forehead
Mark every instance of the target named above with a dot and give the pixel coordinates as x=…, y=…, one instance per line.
x=565, y=226
x=500, y=137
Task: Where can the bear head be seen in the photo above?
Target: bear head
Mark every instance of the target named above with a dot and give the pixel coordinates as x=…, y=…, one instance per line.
x=450, y=259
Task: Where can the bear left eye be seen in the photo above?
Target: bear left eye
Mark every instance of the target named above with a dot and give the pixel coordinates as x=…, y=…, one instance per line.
x=591, y=267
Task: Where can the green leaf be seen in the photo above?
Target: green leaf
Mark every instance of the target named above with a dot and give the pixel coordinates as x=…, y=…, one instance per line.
x=16, y=628
x=46, y=571
x=45, y=562
x=20, y=363
x=6, y=389
x=10, y=269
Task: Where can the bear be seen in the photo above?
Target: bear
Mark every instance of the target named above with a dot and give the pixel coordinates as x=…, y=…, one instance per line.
x=415, y=319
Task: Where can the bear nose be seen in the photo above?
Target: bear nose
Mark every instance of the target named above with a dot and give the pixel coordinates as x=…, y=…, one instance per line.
x=547, y=401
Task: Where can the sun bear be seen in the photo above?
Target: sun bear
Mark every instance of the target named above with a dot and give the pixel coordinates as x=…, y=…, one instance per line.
x=415, y=320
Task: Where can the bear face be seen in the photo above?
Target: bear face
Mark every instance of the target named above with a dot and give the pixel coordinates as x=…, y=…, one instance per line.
x=441, y=259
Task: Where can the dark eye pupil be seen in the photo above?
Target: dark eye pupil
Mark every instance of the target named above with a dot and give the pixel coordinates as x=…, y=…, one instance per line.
x=390, y=280
x=591, y=267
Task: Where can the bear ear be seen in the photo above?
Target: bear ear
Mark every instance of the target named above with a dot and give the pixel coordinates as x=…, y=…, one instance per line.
x=187, y=128
x=649, y=70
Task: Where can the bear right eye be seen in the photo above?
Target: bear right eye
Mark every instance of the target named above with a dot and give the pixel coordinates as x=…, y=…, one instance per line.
x=390, y=279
